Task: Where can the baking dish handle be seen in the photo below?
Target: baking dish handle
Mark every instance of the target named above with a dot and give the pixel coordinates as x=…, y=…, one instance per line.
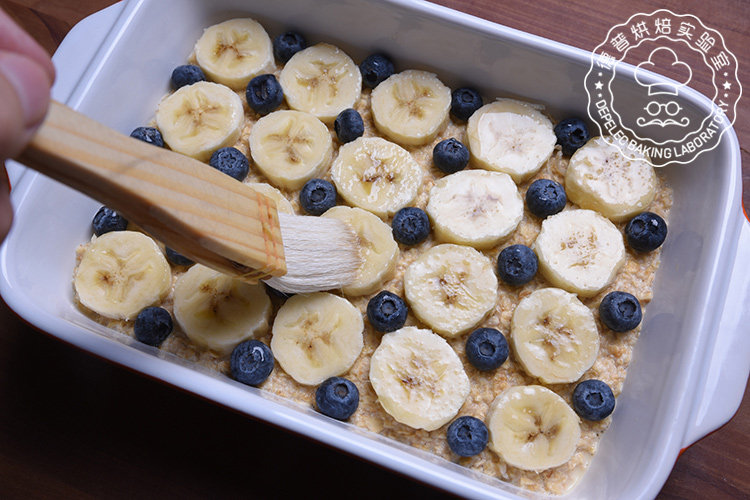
x=729, y=363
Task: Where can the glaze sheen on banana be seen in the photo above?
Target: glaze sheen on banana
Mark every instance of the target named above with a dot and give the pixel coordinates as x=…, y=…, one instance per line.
x=376, y=175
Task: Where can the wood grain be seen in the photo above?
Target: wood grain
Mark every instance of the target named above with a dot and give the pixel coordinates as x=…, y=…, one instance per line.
x=74, y=426
x=164, y=193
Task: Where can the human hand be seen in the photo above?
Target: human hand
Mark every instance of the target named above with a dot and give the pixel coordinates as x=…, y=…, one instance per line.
x=26, y=76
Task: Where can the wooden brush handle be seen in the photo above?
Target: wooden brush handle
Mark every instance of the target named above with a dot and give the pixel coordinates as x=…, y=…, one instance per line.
x=189, y=206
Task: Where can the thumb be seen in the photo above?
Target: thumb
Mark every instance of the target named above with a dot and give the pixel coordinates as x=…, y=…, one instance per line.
x=24, y=92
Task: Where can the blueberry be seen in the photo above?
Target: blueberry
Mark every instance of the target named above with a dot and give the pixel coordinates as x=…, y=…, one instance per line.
x=571, y=133
x=149, y=135
x=450, y=155
x=410, y=226
x=153, y=325
x=517, y=264
x=486, y=349
x=277, y=293
x=467, y=436
x=387, y=312
x=349, y=125
x=620, y=311
x=177, y=258
x=107, y=220
x=230, y=161
x=251, y=362
x=264, y=94
x=287, y=44
x=337, y=398
x=593, y=400
x=545, y=197
x=464, y=102
x=645, y=232
x=317, y=196
x=375, y=69
x=187, y=74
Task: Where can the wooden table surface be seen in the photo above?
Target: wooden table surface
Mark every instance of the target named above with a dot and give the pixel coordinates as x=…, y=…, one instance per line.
x=74, y=426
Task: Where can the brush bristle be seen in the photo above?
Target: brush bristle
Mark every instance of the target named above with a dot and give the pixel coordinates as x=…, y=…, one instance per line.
x=321, y=254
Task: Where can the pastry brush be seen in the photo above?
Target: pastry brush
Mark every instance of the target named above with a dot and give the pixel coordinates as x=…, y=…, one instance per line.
x=193, y=208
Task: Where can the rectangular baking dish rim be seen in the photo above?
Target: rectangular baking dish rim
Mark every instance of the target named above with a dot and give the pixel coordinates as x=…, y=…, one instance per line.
x=129, y=11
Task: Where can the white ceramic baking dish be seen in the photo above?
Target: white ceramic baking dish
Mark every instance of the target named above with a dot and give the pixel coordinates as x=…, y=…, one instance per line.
x=689, y=367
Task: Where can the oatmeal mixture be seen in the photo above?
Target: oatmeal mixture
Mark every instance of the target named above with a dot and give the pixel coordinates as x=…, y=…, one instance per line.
x=615, y=349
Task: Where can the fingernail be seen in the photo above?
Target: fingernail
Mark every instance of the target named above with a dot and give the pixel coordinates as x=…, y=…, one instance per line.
x=31, y=83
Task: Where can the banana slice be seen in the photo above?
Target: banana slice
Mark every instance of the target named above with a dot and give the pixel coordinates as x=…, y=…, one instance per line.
x=601, y=178
x=282, y=204
x=510, y=136
x=532, y=428
x=451, y=288
x=418, y=378
x=376, y=175
x=411, y=107
x=475, y=208
x=234, y=52
x=198, y=119
x=120, y=273
x=290, y=147
x=218, y=312
x=554, y=336
x=321, y=80
x=317, y=336
x=579, y=251
x=377, y=248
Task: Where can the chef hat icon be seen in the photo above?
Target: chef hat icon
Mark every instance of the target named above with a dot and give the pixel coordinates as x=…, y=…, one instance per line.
x=671, y=88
